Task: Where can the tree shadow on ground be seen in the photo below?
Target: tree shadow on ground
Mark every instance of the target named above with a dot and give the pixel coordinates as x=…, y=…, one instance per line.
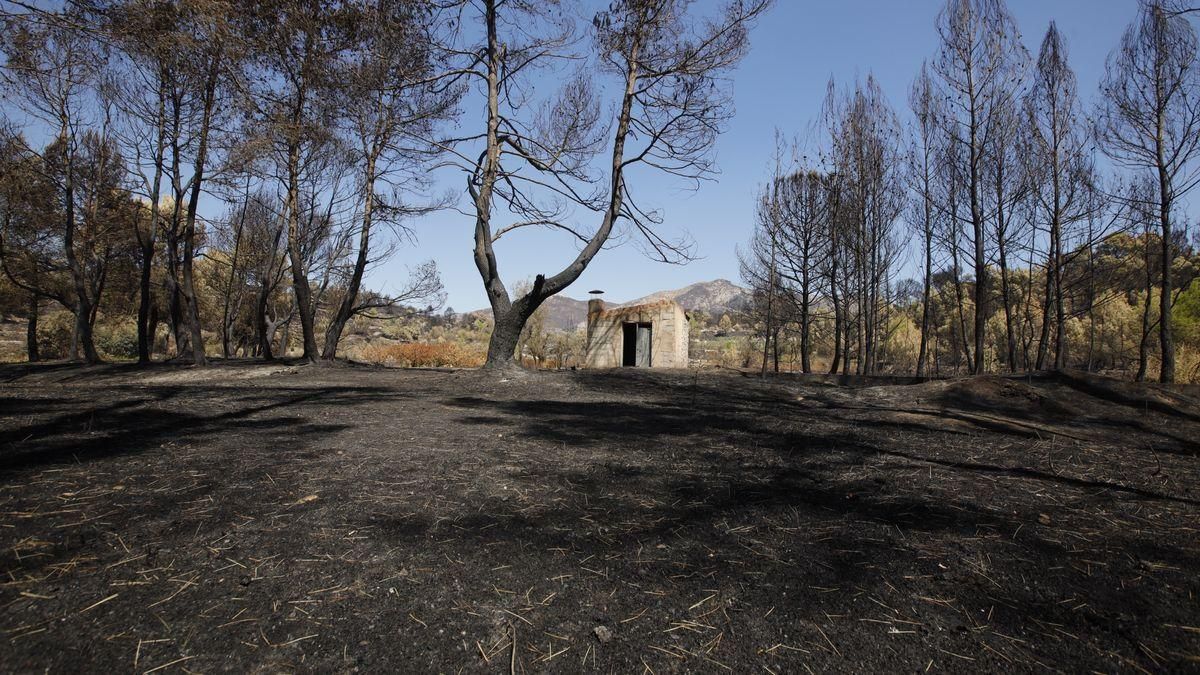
x=162, y=424
x=1033, y=474
x=75, y=371
x=603, y=423
x=645, y=490
x=1177, y=401
x=641, y=472
x=81, y=430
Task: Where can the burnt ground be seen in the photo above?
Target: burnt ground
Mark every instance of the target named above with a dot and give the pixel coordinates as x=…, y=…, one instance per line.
x=275, y=518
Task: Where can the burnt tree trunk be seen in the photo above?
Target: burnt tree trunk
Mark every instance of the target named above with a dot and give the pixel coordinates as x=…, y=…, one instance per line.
x=506, y=334
x=83, y=304
x=805, y=331
x=1166, y=341
x=1144, y=343
x=145, y=300
x=510, y=316
x=260, y=324
x=349, y=303
x=837, y=322
x=31, y=329
x=926, y=288
x=191, y=303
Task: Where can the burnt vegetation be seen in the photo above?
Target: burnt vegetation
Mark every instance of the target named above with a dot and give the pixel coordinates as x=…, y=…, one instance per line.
x=990, y=467
x=256, y=517
x=1047, y=234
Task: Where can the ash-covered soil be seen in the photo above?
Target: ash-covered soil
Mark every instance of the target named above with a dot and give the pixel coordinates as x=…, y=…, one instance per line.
x=285, y=518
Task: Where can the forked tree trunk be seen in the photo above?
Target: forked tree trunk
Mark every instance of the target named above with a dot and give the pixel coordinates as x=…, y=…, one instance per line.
x=300, y=287
x=226, y=313
x=349, y=303
x=145, y=326
x=510, y=316
x=82, y=336
x=191, y=301
x=506, y=335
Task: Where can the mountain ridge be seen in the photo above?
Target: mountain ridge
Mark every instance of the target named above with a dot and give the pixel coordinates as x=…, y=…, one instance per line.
x=715, y=297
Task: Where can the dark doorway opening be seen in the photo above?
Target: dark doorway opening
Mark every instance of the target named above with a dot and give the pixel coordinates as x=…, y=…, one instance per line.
x=635, y=350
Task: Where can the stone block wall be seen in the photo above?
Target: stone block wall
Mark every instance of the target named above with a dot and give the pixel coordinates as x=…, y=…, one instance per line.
x=668, y=333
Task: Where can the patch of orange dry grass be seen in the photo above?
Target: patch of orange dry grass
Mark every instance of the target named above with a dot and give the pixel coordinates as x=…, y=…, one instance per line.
x=424, y=355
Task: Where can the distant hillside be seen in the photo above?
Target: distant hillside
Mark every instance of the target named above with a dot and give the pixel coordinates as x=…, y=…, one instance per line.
x=717, y=297
x=564, y=313
x=712, y=297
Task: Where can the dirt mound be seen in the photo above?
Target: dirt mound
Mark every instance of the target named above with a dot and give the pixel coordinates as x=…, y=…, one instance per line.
x=990, y=394
x=1005, y=395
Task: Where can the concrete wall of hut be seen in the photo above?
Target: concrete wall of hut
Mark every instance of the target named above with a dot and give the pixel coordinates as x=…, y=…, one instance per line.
x=668, y=336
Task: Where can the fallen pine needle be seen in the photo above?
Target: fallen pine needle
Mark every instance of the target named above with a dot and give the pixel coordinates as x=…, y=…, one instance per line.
x=306, y=637
x=166, y=665
x=97, y=604
x=517, y=615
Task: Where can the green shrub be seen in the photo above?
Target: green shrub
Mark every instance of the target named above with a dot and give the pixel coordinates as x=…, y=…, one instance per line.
x=54, y=334
x=117, y=341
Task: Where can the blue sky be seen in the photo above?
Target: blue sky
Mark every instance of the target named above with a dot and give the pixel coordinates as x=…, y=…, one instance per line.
x=781, y=83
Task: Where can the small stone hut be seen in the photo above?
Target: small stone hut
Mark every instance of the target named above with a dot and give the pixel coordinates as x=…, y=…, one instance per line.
x=653, y=335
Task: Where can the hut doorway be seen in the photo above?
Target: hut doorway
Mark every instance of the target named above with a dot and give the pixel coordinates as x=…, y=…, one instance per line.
x=636, y=345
